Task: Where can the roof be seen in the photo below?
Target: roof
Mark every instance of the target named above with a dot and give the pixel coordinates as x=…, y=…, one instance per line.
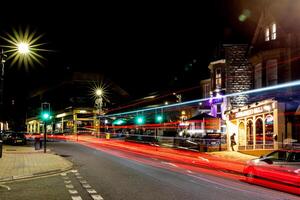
x=201, y=116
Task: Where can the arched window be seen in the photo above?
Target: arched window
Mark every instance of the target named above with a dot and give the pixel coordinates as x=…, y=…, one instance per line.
x=259, y=131
x=241, y=134
x=250, y=132
x=269, y=128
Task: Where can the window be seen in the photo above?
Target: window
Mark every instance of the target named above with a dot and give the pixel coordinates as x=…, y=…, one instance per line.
x=206, y=90
x=271, y=72
x=267, y=34
x=218, y=78
x=273, y=35
x=295, y=157
x=269, y=129
x=259, y=131
x=258, y=76
x=278, y=156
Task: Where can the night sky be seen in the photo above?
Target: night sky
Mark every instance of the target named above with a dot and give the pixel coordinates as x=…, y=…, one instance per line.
x=143, y=47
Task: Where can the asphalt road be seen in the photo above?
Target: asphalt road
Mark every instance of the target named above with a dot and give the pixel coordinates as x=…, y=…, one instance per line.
x=115, y=174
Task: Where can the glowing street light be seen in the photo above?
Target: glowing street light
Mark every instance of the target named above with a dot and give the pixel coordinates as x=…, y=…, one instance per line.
x=22, y=48
x=99, y=94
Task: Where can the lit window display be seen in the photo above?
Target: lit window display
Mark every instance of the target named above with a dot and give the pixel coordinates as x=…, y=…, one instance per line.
x=259, y=131
x=249, y=132
x=269, y=129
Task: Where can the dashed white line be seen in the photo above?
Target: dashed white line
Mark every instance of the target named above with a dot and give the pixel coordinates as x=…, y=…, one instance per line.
x=168, y=163
x=73, y=192
x=91, y=191
x=86, y=186
x=76, y=198
x=83, y=181
x=97, y=197
x=204, y=159
x=70, y=186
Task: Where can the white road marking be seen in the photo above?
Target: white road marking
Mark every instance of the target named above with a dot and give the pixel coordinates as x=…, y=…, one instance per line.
x=76, y=198
x=83, y=181
x=63, y=174
x=97, y=197
x=5, y=186
x=67, y=182
x=204, y=159
x=86, y=186
x=91, y=191
x=168, y=163
x=74, y=170
x=70, y=186
x=73, y=191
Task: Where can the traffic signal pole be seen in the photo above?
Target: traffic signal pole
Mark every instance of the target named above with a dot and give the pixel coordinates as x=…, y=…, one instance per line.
x=45, y=138
x=45, y=115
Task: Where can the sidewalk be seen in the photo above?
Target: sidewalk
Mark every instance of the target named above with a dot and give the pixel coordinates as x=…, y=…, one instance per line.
x=232, y=155
x=20, y=162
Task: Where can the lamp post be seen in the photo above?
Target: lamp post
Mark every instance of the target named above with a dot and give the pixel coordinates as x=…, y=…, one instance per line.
x=99, y=103
x=22, y=48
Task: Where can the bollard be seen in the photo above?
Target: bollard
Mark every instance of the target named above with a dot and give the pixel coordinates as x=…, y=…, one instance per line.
x=36, y=143
x=1, y=148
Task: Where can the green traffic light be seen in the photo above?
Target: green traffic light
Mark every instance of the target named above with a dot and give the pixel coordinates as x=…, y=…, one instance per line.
x=159, y=118
x=140, y=120
x=46, y=116
x=118, y=122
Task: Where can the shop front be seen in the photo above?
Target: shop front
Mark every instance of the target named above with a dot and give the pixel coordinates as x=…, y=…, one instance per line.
x=256, y=126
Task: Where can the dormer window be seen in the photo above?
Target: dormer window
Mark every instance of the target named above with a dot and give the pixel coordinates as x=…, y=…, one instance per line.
x=271, y=32
x=273, y=35
x=267, y=34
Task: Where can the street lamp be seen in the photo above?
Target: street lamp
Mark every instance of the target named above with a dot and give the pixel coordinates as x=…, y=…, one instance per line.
x=23, y=48
x=99, y=104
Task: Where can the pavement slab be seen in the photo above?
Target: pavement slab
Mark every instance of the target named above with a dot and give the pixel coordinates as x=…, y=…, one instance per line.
x=19, y=162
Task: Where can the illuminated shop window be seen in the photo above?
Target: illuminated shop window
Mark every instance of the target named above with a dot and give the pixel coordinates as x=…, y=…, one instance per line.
x=259, y=131
x=249, y=132
x=269, y=129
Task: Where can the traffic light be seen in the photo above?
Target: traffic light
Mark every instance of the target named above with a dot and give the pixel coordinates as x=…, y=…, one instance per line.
x=158, y=118
x=140, y=120
x=45, y=114
x=118, y=122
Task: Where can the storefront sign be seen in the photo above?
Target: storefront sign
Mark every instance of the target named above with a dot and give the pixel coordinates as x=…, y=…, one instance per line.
x=253, y=111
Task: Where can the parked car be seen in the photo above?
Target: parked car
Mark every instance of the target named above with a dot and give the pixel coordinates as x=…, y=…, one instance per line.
x=15, y=138
x=4, y=135
x=281, y=166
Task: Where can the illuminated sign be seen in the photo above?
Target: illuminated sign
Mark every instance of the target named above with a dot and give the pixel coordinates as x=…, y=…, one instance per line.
x=253, y=111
